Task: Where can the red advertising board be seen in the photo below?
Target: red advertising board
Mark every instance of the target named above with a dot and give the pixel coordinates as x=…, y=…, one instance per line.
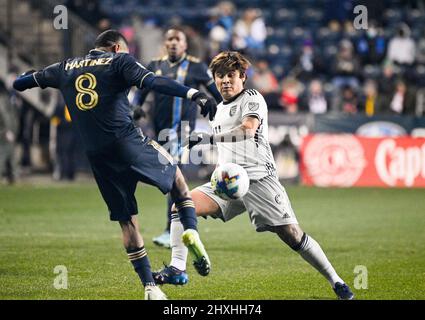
x=345, y=160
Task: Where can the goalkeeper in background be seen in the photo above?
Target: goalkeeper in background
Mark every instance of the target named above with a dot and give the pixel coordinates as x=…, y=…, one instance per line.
x=95, y=89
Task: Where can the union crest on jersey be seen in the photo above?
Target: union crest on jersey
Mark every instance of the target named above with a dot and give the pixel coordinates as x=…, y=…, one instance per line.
x=232, y=110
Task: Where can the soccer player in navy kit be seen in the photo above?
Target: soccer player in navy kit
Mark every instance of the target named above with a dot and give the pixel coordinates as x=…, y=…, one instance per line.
x=173, y=116
x=95, y=89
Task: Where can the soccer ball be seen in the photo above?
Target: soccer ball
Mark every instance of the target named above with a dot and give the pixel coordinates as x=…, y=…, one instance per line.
x=230, y=181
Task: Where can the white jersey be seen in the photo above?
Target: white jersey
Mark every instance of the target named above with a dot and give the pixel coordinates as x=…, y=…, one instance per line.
x=253, y=154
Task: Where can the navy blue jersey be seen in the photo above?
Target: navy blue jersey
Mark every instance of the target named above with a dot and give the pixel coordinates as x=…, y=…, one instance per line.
x=168, y=111
x=95, y=89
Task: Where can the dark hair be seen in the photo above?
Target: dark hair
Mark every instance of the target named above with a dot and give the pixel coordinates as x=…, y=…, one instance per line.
x=176, y=28
x=109, y=38
x=228, y=61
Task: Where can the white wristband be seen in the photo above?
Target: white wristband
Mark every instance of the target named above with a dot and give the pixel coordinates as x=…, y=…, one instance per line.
x=191, y=92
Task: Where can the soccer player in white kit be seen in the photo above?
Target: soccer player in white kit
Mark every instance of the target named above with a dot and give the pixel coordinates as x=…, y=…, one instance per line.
x=240, y=131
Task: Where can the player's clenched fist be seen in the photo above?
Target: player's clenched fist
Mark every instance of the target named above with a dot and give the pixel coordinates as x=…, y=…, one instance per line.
x=207, y=104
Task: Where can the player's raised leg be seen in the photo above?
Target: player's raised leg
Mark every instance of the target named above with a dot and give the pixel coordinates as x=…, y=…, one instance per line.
x=174, y=273
x=311, y=252
x=186, y=213
x=133, y=243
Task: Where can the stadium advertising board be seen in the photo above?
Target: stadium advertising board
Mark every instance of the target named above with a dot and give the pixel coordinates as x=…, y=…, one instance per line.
x=346, y=160
x=376, y=126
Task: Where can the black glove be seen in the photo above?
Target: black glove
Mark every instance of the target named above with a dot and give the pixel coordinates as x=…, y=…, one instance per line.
x=207, y=104
x=139, y=113
x=196, y=138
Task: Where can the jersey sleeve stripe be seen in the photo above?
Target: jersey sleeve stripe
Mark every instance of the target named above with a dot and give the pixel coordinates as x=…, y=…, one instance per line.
x=141, y=81
x=35, y=79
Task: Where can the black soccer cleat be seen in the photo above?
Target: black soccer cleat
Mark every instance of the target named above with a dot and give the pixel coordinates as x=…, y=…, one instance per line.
x=170, y=275
x=202, y=266
x=343, y=291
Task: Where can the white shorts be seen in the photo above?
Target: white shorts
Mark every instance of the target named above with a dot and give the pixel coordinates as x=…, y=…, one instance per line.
x=266, y=202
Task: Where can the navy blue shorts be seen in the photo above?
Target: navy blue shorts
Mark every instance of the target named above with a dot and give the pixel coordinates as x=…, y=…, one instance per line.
x=118, y=167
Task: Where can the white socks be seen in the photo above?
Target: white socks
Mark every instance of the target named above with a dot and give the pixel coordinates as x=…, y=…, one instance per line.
x=308, y=249
x=311, y=252
x=178, y=249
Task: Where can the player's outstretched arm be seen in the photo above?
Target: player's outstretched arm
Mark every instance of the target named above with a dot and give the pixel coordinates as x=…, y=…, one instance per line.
x=25, y=81
x=137, y=75
x=246, y=130
x=171, y=87
x=48, y=77
x=215, y=93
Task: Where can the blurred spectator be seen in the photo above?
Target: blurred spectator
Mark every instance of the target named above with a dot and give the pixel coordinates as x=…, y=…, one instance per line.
x=335, y=27
x=26, y=123
x=371, y=46
x=291, y=89
x=195, y=43
x=307, y=64
x=130, y=34
x=104, y=24
x=226, y=11
x=265, y=82
x=372, y=103
x=220, y=27
x=403, y=100
x=263, y=79
x=9, y=122
x=250, y=32
x=314, y=100
x=401, y=48
x=148, y=37
x=346, y=101
x=386, y=82
x=66, y=143
x=420, y=51
x=346, y=67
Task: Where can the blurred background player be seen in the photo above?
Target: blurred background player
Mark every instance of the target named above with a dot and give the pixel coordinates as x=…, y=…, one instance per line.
x=173, y=117
x=95, y=89
x=9, y=124
x=66, y=142
x=240, y=130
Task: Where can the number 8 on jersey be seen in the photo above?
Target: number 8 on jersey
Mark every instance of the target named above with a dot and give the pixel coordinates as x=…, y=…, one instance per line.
x=89, y=90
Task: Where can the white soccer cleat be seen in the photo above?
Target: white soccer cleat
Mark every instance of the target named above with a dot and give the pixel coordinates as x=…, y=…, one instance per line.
x=163, y=240
x=154, y=293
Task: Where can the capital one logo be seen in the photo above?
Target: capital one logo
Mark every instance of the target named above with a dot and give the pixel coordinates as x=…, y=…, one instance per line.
x=334, y=160
x=395, y=163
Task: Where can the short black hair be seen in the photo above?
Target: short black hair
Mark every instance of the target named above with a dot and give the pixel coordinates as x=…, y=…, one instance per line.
x=176, y=28
x=108, y=38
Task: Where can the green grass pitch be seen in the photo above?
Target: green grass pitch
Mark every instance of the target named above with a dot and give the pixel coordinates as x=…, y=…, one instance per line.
x=45, y=226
